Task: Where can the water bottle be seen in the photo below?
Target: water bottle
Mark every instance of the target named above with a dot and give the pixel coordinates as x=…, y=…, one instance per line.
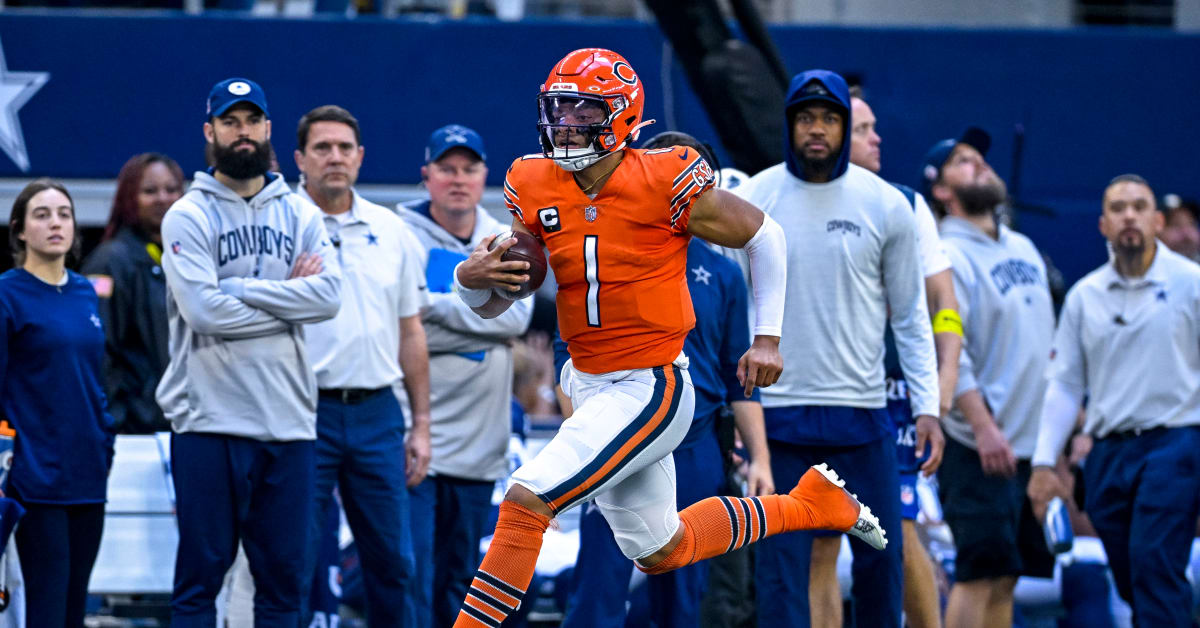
x=1059, y=537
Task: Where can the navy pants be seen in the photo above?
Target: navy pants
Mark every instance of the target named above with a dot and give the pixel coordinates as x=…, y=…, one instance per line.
x=1143, y=497
x=782, y=561
x=360, y=447
x=228, y=489
x=58, y=546
x=600, y=584
x=448, y=517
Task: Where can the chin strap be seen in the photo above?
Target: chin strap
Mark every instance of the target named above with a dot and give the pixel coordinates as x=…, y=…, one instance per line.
x=633, y=134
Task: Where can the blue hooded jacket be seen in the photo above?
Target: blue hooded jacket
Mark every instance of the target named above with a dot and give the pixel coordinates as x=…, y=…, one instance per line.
x=806, y=87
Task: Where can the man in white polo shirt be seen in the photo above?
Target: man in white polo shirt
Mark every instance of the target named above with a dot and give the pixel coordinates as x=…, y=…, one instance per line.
x=1129, y=338
x=375, y=340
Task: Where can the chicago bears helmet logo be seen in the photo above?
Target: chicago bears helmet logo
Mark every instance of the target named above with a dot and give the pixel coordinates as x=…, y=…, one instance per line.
x=624, y=73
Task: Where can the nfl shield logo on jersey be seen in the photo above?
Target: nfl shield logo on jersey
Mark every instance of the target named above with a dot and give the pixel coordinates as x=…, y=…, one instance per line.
x=589, y=213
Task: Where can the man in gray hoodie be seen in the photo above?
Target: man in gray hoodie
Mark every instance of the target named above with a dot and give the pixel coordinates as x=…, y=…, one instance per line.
x=247, y=263
x=1008, y=322
x=471, y=370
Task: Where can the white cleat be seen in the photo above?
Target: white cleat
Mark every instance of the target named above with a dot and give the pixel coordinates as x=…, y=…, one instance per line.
x=867, y=527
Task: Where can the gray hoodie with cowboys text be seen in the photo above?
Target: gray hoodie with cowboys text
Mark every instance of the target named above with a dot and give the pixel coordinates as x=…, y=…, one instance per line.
x=238, y=362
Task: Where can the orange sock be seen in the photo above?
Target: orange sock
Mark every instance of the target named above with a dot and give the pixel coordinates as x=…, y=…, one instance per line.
x=507, y=568
x=717, y=525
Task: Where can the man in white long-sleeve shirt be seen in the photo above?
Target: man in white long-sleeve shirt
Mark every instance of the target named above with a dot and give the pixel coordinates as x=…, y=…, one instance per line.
x=248, y=263
x=1129, y=338
x=1008, y=318
x=921, y=608
x=852, y=250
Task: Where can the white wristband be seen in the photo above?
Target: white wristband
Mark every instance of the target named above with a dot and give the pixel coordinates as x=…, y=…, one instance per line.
x=768, y=276
x=473, y=297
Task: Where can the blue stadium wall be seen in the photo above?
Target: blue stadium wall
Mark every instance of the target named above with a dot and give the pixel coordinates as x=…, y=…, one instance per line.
x=1093, y=103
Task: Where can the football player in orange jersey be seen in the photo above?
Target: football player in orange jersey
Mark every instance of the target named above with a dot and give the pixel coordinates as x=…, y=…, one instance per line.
x=616, y=222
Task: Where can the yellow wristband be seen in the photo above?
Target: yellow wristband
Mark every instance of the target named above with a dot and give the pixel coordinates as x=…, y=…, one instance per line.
x=947, y=321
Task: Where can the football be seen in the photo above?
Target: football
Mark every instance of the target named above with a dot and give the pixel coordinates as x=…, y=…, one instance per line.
x=527, y=249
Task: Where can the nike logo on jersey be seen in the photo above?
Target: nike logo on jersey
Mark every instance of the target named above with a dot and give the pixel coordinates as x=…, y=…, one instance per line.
x=683, y=157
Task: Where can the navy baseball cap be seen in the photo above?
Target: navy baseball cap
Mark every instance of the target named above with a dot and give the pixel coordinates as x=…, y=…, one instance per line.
x=931, y=169
x=453, y=136
x=814, y=90
x=232, y=91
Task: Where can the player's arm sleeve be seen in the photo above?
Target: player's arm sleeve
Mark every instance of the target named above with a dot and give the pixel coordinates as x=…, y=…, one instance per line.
x=192, y=275
x=691, y=177
x=301, y=300
x=905, y=286
x=735, y=337
x=964, y=282
x=933, y=254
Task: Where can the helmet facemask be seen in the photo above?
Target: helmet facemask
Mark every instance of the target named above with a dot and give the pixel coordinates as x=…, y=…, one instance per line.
x=576, y=129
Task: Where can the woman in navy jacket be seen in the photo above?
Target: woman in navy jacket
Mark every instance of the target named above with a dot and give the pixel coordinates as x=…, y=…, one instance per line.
x=51, y=391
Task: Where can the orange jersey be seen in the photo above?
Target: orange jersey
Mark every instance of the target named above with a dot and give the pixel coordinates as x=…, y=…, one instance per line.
x=619, y=259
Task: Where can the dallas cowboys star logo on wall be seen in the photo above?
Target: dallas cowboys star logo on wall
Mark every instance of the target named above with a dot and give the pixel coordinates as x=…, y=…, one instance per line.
x=16, y=88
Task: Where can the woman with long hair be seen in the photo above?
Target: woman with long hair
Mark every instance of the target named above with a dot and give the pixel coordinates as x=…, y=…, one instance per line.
x=126, y=272
x=51, y=352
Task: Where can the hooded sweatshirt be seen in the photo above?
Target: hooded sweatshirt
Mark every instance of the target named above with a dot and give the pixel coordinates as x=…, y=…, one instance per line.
x=470, y=360
x=238, y=362
x=852, y=251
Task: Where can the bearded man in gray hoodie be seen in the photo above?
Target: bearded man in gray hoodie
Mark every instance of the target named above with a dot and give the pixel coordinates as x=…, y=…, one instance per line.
x=248, y=264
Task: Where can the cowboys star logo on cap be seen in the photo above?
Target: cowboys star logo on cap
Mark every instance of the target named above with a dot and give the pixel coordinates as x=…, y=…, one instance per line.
x=815, y=89
x=456, y=137
x=239, y=88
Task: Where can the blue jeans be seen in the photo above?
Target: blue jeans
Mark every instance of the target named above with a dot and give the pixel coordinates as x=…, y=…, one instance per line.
x=782, y=561
x=448, y=517
x=360, y=447
x=600, y=583
x=228, y=489
x=1143, y=497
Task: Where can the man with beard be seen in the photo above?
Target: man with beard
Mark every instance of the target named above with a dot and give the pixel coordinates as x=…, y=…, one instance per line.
x=1008, y=318
x=1127, y=338
x=248, y=263
x=852, y=251
x=375, y=342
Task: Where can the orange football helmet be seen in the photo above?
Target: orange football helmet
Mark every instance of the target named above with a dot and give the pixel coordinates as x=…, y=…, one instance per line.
x=589, y=106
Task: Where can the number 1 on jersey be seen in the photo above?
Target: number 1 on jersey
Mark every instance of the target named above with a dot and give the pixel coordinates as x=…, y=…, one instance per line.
x=591, y=267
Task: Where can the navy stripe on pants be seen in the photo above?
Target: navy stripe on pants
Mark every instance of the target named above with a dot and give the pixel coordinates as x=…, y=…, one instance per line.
x=600, y=581
x=228, y=489
x=361, y=448
x=782, y=561
x=1143, y=497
